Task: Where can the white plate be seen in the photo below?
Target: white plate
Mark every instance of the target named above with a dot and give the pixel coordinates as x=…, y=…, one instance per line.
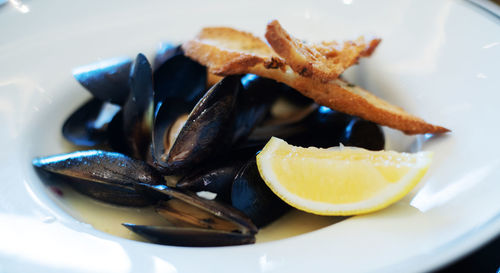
x=438, y=60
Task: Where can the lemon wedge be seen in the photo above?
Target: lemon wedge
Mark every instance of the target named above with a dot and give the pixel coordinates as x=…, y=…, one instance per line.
x=342, y=180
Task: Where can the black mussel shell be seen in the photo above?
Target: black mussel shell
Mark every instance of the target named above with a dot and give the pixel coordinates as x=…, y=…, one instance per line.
x=185, y=208
x=251, y=195
x=253, y=104
x=165, y=52
x=324, y=129
x=206, y=132
x=289, y=116
x=321, y=128
x=88, y=125
x=107, y=80
x=199, y=237
x=106, y=176
x=309, y=125
x=116, y=140
x=137, y=117
x=180, y=82
x=216, y=178
x=364, y=134
x=182, y=214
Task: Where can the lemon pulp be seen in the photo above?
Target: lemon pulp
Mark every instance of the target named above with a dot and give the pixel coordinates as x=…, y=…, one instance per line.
x=342, y=181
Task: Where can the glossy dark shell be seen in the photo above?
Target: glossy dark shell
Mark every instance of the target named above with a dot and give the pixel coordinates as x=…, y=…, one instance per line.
x=212, y=207
x=164, y=53
x=137, y=114
x=107, y=80
x=179, y=85
x=272, y=94
x=116, y=134
x=107, y=176
x=315, y=126
x=253, y=104
x=364, y=134
x=251, y=195
x=199, y=237
x=179, y=82
x=88, y=125
x=324, y=128
x=205, y=133
x=217, y=178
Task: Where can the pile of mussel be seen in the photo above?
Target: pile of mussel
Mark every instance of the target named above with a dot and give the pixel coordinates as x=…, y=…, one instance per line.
x=160, y=136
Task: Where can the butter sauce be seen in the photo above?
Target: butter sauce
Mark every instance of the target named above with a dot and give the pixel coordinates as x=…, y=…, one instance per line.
x=108, y=218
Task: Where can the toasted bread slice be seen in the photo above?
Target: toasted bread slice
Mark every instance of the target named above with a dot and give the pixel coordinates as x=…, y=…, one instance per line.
x=324, y=61
x=345, y=97
x=228, y=51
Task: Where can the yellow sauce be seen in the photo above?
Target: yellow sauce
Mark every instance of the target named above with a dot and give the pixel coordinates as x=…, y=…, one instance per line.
x=108, y=218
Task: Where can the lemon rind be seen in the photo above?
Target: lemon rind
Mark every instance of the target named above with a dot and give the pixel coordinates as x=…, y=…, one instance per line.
x=383, y=199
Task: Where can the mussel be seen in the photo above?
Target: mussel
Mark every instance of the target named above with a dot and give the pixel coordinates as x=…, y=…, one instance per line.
x=253, y=104
x=107, y=80
x=164, y=53
x=215, y=178
x=179, y=82
x=106, y=176
x=175, y=236
x=364, y=134
x=137, y=116
x=204, y=132
x=198, y=221
x=88, y=125
x=250, y=194
x=322, y=127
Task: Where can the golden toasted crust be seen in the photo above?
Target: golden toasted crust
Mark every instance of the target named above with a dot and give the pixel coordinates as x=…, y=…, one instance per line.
x=342, y=96
x=228, y=51
x=234, y=52
x=324, y=61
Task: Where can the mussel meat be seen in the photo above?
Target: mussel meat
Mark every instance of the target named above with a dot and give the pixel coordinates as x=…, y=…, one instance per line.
x=204, y=133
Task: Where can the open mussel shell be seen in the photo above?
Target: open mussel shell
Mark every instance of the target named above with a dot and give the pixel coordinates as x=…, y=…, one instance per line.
x=106, y=176
x=217, y=175
x=287, y=117
x=116, y=140
x=216, y=178
x=164, y=53
x=328, y=128
x=253, y=104
x=319, y=126
x=199, y=237
x=251, y=195
x=205, y=133
x=179, y=82
x=281, y=112
x=137, y=116
x=107, y=80
x=296, y=129
x=187, y=209
x=88, y=125
x=324, y=128
x=363, y=133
